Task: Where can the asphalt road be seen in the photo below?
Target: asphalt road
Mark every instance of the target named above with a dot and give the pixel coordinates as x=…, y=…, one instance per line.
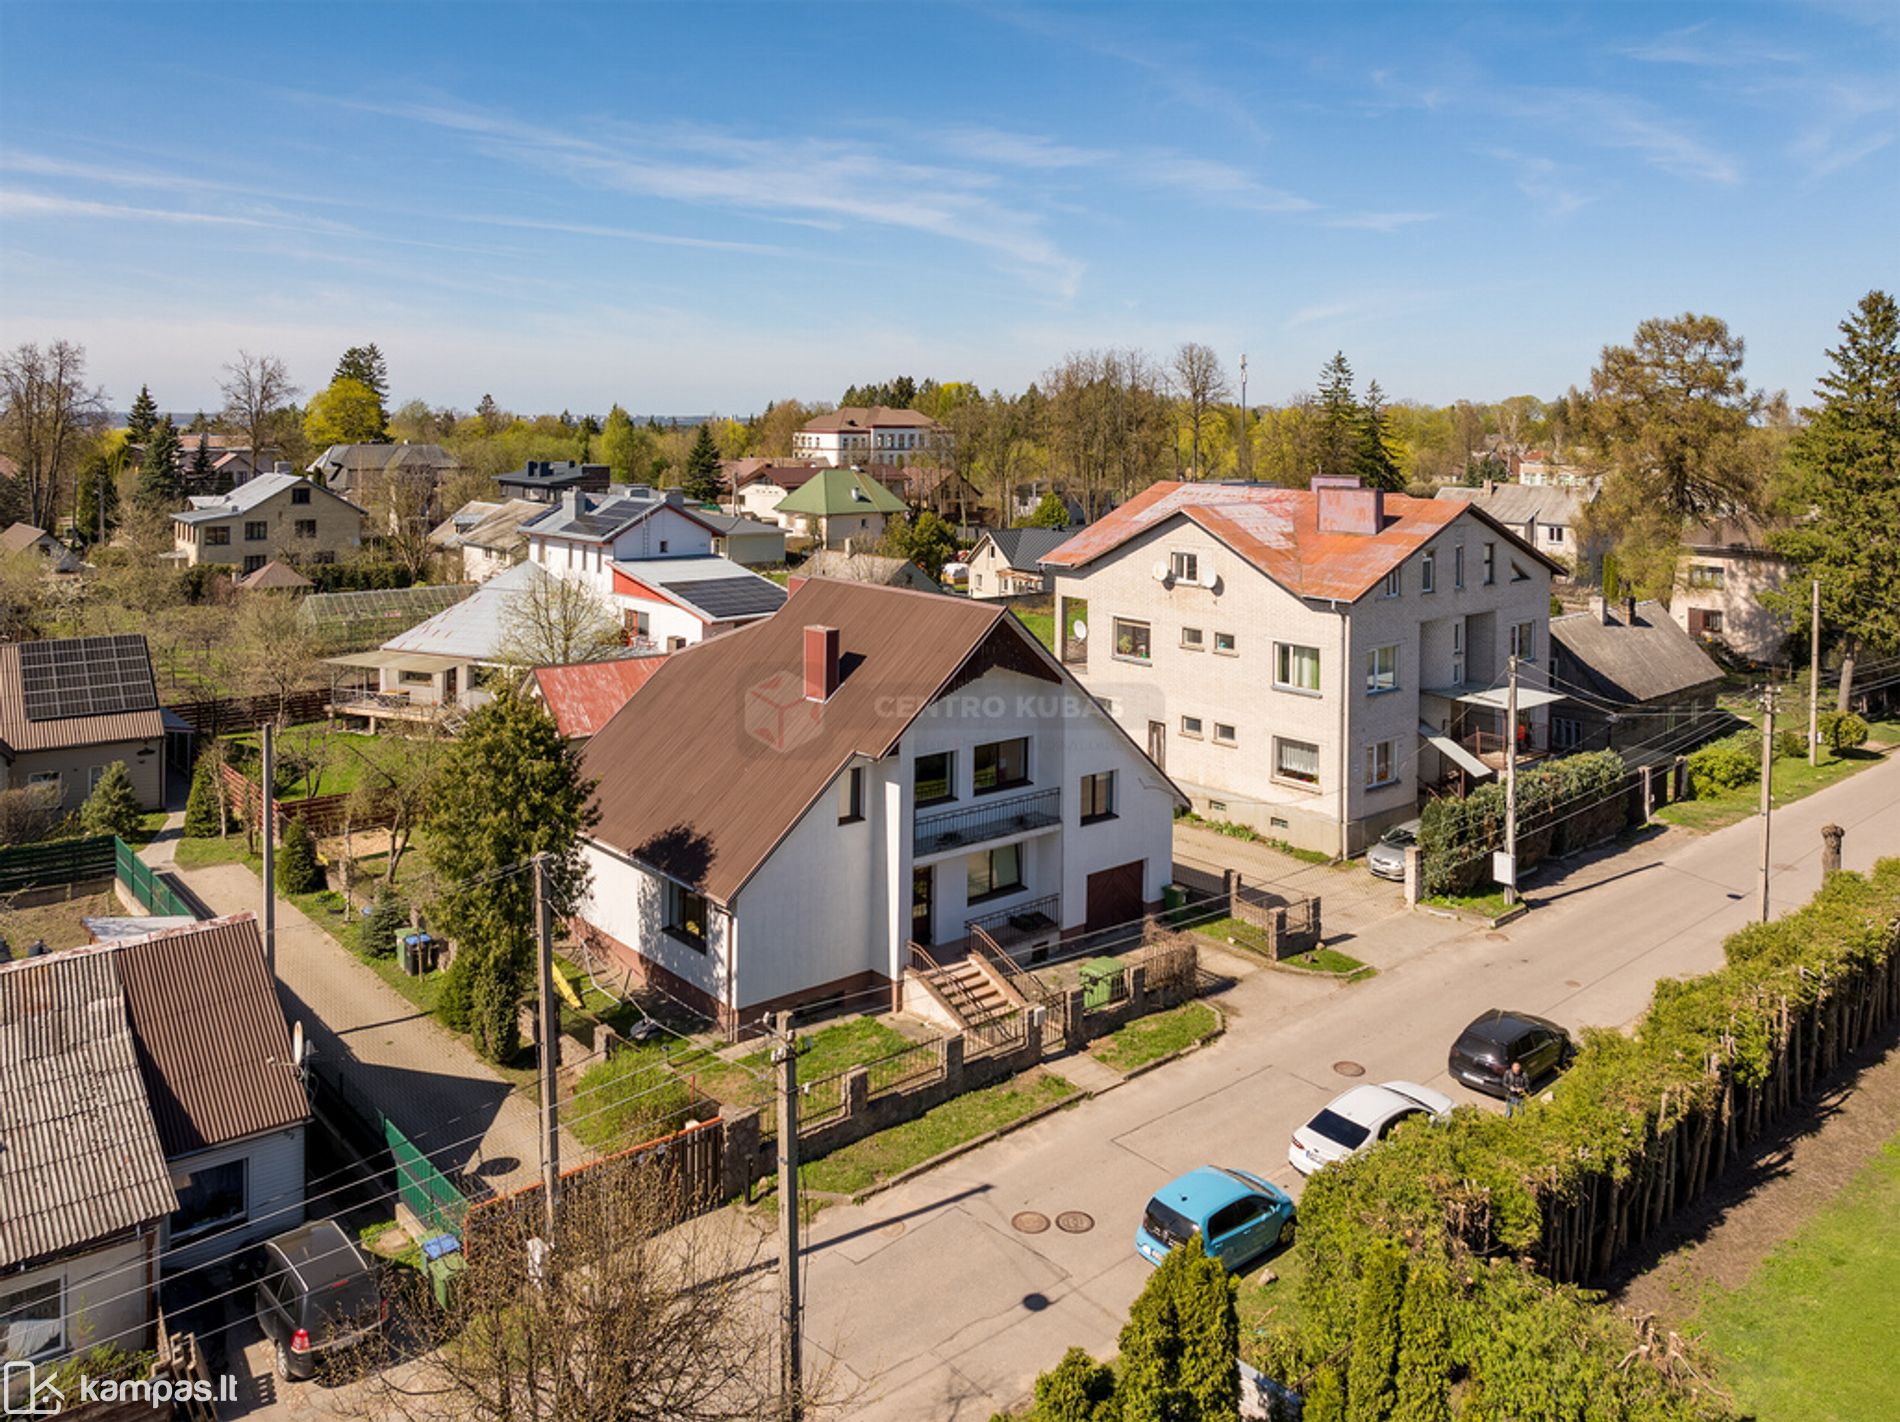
x=925, y=1302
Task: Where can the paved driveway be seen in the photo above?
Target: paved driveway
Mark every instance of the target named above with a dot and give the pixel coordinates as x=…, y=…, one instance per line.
x=933, y=1305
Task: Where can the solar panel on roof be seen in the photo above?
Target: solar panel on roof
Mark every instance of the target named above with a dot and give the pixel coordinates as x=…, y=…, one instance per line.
x=731, y=597
x=86, y=676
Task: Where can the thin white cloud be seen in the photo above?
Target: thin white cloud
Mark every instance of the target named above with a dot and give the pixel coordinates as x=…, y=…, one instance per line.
x=1612, y=120
x=1702, y=46
x=1545, y=183
x=1383, y=221
x=16, y=203
x=1020, y=150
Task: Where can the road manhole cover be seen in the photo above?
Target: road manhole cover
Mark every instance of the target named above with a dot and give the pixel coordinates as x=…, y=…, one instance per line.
x=1029, y=1222
x=893, y=1229
x=1075, y=1222
x=1349, y=1069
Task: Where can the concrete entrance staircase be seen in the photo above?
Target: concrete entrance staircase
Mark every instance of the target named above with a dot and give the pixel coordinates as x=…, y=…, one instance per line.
x=972, y=993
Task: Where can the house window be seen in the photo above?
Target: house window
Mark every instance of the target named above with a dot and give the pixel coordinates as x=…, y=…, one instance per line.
x=995, y=872
x=254, y=561
x=305, y=528
x=1554, y=535
x=1458, y=566
x=1224, y=734
x=1712, y=622
x=1394, y=581
x=218, y=535
x=415, y=678
x=300, y=496
x=1566, y=732
x=1193, y=639
x=851, y=796
x=1098, y=796
x=1001, y=765
x=1382, y=668
x=1428, y=572
x=1382, y=765
x=256, y=531
x=1295, y=668
x=931, y=780
x=1131, y=640
x=207, y=1198
x=1490, y=564
x=33, y=1321
x=1297, y=761
x=686, y=915
x=1184, y=567
x=1191, y=726
x=44, y=777
x=1524, y=641
x=1224, y=644
x=1458, y=652
x=1707, y=575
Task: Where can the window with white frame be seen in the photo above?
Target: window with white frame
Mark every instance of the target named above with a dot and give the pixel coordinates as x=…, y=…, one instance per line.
x=1382, y=763
x=1192, y=639
x=1428, y=572
x=1191, y=726
x=1098, y=796
x=1132, y=640
x=1297, y=761
x=1225, y=735
x=1458, y=566
x=1554, y=533
x=1394, y=581
x=1382, y=668
x=1295, y=668
x=33, y=1320
x=1524, y=641
x=686, y=916
x=1458, y=652
x=1490, y=564
x=1184, y=567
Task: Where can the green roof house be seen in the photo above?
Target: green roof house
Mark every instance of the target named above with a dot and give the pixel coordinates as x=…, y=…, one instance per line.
x=839, y=504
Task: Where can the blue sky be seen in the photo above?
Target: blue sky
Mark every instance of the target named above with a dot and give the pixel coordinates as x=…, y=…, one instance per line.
x=687, y=208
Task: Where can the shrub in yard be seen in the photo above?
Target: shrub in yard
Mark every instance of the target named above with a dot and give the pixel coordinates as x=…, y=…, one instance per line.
x=1370, y=1380
x=1842, y=730
x=113, y=806
x=387, y=921
x=202, y=806
x=1790, y=743
x=454, y=1005
x=1078, y=1389
x=1726, y=764
x=1182, y=1342
x=297, y=871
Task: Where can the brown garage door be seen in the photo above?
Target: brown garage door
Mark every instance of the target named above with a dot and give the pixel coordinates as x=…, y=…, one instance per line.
x=1115, y=895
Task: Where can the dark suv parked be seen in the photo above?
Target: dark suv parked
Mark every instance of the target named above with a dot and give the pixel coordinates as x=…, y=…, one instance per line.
x=318, y=1294
x=1485, y=1050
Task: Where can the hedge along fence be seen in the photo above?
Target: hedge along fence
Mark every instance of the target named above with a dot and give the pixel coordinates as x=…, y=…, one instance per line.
x=1562, y=806
x=1641, y=1125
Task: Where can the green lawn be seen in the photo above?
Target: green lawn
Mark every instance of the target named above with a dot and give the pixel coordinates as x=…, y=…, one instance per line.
x=1148, y=1039
x=1233, y=829
x=342, y=766
x=1811, y=1337
x=1794, y=778
x=1236, y=932
x=1266, y=1309
x=1042, y=624
x=1491, y=903
x=635, y=1095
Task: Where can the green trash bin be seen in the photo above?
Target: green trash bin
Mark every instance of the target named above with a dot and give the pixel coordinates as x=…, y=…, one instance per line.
x=1099, y=976
x=445, y=1277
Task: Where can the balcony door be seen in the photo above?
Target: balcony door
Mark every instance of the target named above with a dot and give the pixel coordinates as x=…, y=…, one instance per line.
x=923, y=903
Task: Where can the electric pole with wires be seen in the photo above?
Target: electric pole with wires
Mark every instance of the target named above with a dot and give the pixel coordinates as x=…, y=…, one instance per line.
x=1767, y=785
x=1510, y=786
x=267, y=796
x=791, y=1325
x=1814, y=676
x=548, y=1020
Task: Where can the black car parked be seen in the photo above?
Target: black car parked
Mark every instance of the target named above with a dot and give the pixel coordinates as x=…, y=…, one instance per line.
x=1485, y=1050
x=318, y=1294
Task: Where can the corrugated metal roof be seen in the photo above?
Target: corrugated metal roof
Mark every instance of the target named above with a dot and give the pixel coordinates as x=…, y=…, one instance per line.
x=19, y=734
x=1550, y=504
x=583, y=697
x=1023, y=549
x=213, y=1043
x=1620, y=658
x=80, y=1159
x=249, y=495
x=1277, y=531
x=474, y=628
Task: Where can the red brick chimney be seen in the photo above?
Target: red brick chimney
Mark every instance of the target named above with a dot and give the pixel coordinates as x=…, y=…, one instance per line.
x=821, y=663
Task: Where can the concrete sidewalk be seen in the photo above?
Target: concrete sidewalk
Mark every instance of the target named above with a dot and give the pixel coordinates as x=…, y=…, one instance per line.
x=426, y=1079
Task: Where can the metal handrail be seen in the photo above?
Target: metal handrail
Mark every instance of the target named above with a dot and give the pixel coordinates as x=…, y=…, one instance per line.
x=1025, y=983
x=988, y=819
x=957, y=997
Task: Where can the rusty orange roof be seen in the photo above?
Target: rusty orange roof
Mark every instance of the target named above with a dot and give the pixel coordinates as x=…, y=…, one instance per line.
x=584, y=696
x=1277, y=531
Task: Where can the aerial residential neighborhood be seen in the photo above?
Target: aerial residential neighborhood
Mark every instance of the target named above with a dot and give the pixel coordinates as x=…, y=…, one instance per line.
x=1072, y=713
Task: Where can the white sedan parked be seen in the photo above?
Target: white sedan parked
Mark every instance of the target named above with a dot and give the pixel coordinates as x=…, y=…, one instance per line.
x=1362, y=1116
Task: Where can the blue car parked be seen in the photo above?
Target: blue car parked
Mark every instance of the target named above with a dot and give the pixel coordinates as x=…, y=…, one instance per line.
x=1238, y=1216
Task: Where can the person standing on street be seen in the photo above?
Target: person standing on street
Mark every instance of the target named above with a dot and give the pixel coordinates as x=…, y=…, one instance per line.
x=1517, y=1085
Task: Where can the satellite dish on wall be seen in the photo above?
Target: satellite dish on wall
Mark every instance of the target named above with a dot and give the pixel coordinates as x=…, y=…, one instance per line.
x=1161, y=572
x=1208, y=576
x=1080, y=629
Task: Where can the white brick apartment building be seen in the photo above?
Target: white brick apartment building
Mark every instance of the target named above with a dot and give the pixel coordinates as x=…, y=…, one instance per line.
x=1306, y=661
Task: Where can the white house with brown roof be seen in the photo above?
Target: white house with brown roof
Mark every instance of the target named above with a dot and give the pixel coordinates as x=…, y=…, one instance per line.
x=1549, y=517
x=1725, y=567
x=865, y=434
x=1307, y=662
x=784, y=810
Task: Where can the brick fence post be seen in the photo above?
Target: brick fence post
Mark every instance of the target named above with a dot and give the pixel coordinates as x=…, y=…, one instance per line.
x=857, y=1091
x=1138, y=988
x=739, y=1151
x=1414, y=875
x=950, y=1054
x=1074, y=1033
x=1230, y=887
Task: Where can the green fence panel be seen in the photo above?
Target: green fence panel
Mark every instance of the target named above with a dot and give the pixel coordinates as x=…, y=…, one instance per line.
x=430, y=1194
x=62, y=861
x=146, y=884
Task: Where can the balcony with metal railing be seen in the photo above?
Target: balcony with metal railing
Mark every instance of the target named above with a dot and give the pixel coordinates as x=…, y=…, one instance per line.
x=1003, y=817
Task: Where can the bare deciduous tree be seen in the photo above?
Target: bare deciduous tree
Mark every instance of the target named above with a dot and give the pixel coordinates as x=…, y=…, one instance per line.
x=402, y=506
x=1109, y=425
x=257, y=391
x=48, y=414
x=272, y=651
x=1201, y=384
x=397, y=785
x=554, y=621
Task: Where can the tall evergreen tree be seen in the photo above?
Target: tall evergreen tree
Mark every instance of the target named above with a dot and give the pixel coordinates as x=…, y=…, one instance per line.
x=1377, y=468
x=96, y=508
x=1181, y=1345
x=1341, y=428
x=113, y=806
x=1370, y=1375
x=201, y=472
x=158, y=486
x=702, y=480
x=143, y=418
x=1842, y=490
x=366, y=366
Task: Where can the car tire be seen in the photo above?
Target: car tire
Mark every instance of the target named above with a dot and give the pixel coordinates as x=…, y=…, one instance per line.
x=1287, y=1230
x=283, y=1361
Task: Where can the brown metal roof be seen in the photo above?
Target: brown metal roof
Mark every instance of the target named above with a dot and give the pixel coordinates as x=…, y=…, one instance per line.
x=1277, y=531
x=20, y=734
x=583, y=697
x=79, y=1158
x=213, y=1044
x=864, y=417
x=711, y=762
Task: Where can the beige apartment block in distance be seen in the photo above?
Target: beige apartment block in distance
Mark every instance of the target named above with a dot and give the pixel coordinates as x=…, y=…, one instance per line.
x=285, y=517
x=1308, y=662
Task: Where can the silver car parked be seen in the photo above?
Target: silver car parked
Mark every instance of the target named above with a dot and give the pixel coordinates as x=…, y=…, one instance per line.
x=1386, y=858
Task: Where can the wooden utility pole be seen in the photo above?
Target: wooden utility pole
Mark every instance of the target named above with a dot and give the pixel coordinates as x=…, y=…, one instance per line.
x=1246, y=463
x=1767, y=785
x=791, y=1325
x=268, y=798
x=550, y=1046
x=1510, y=784
x=1814, y=678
